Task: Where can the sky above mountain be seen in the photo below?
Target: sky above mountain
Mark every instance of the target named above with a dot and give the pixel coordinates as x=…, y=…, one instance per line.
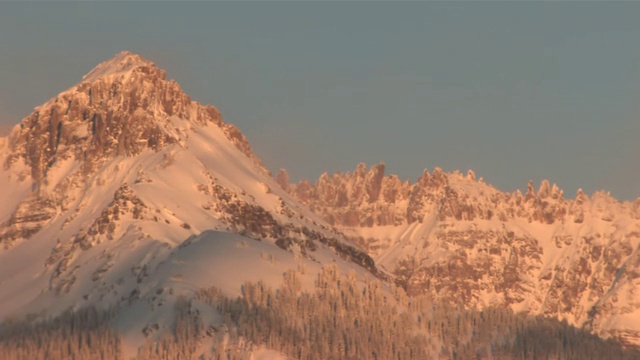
x=516, y=91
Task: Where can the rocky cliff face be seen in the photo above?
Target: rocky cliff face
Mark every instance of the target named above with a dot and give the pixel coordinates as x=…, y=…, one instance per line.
x=113, y=175
x=368, y=198
x=121, y=108
x=454, y=236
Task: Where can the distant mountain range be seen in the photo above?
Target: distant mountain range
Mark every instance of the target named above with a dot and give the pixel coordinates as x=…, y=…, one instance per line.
x=123, y=193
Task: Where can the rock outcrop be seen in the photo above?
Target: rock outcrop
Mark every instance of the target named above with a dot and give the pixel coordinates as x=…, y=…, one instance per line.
x=453, y=236
x=122, y=107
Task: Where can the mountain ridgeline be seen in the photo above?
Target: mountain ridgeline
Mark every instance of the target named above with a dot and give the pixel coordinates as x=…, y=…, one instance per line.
x=450, y=235
x=145, y=221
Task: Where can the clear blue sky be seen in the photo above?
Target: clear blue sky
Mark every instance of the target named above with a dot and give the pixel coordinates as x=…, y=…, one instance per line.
x=515, y=91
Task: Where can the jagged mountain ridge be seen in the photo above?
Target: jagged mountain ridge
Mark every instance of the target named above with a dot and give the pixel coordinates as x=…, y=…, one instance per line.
x=125, y=192
x=122, y=108
x=451, y=235
x=118, y=176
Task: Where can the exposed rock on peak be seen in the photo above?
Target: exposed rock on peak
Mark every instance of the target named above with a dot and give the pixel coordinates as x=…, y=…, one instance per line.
x=131, y=168
x=122, y=107
x=121, y=64
x=108, y=180
x=451, y=235
x=369, y=198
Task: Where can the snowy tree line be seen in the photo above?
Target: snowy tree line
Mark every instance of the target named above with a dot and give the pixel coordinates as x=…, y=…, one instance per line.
x=344, y=317
x=349, y=318
x=83, y=334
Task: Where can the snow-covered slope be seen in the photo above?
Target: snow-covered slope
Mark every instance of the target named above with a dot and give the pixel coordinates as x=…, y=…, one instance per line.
x=123, y=192
x=122, y=187
x=451, y=235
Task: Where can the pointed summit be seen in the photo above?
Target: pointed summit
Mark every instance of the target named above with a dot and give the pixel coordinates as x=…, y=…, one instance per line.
x=122, y=107
x=123, y=63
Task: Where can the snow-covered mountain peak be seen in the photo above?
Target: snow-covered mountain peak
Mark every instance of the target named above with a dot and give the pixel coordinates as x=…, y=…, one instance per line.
x=112, y=178
x=124, y=106
x=122, y=187
x=122, y=64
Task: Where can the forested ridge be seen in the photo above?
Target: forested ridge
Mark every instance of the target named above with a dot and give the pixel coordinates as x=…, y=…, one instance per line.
x=344, y=317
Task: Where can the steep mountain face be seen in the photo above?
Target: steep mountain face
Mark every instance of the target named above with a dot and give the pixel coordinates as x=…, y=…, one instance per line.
x=121, y=192
x=453, y=236
x=122, y=107
x=122, y=173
